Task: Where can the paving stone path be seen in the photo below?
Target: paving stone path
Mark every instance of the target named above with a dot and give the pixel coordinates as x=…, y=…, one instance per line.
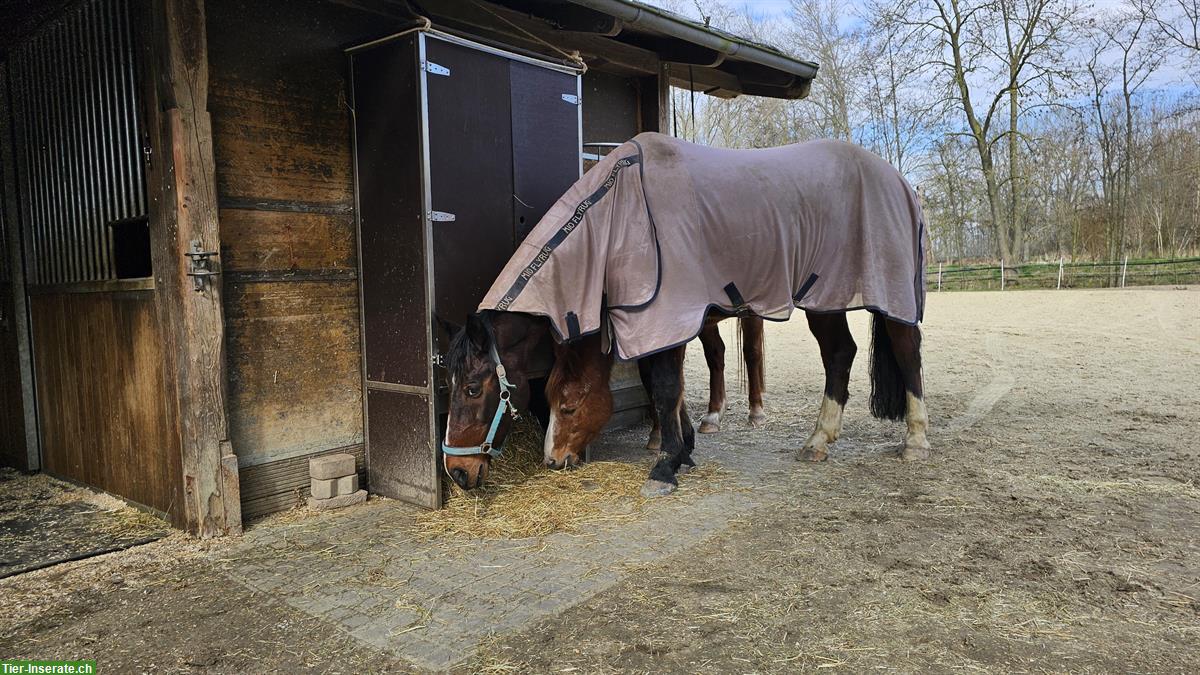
x=435, y=603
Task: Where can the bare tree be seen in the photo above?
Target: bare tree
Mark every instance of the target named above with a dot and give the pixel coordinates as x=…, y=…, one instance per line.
x=989, y=53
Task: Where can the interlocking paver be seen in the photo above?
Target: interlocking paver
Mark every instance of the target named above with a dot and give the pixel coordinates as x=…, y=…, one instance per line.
x=433, y=605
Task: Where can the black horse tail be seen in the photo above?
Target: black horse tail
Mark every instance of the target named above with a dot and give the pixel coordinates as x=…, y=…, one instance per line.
x=887, y=385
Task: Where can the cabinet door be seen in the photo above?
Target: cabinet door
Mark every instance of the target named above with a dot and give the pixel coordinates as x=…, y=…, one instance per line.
x=545, y=137
x=470, y=173
x=393, y=239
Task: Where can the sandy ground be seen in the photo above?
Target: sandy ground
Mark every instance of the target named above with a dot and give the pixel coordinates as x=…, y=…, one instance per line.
x=1055, y=529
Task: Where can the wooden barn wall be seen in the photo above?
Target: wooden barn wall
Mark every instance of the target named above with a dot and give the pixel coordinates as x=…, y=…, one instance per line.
x=282, y=145
x=102, y=424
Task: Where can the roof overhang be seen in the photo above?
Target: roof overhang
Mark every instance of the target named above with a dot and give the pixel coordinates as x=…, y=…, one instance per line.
x=629, y=36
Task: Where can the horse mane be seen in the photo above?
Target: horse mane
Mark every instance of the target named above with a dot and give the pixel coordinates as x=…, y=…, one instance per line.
x=462, y=347
x=570, y=364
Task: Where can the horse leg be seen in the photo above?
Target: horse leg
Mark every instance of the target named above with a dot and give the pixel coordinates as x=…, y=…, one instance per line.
x=714, y=355
x=688, y=432
x=753, y=351
x=906, y=346
x=666, y=392
x=655, y=440
x=837, y=354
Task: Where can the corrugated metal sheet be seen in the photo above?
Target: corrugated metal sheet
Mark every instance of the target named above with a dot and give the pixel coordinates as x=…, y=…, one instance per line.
x=75, y=98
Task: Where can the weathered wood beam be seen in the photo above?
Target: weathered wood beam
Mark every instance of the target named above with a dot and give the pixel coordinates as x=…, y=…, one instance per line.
x=183, y=219
x=654, y=102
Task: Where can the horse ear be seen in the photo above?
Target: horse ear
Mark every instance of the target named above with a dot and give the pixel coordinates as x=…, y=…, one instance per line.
x=450, y=327
x=477, y=332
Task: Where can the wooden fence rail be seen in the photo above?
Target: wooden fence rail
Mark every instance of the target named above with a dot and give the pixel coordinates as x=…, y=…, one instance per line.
x=1063, y=274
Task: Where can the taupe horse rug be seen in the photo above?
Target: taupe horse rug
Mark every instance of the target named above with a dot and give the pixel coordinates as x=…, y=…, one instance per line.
x=662, y=230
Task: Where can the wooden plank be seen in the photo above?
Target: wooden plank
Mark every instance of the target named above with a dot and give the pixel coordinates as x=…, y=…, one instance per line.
x=182, y=199
x=253, y=240
x=280, y=141
x=106, y=421
x=294, y=380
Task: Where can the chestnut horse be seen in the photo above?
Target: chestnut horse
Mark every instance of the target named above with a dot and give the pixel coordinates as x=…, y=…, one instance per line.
x=493, y=344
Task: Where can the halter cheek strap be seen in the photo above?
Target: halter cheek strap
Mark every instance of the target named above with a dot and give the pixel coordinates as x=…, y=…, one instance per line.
x=505, y=407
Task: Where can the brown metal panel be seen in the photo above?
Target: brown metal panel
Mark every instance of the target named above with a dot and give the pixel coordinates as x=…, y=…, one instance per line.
x=610, y=108
x=401, y=449
x=545, y=141
x=470, y=174
x=391, y=223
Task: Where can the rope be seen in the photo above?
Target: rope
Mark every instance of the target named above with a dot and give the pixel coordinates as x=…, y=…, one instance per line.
x=573, y=56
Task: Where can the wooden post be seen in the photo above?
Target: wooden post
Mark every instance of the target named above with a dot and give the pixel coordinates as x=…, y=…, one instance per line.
x=183, y=219
x=1124, y=268
x=654, y=104
x=1002, y=274
x=1060, y=272
x=939, y=277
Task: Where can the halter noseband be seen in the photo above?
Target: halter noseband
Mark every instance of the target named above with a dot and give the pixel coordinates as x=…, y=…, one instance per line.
x=504, y=407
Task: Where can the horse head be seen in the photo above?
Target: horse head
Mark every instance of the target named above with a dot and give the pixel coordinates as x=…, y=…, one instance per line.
x=580, y=400
x=487, y=361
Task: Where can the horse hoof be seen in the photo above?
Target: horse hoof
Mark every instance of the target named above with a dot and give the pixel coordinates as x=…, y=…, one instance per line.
x=684, y=469
x=812, y=454
x=707, y=427
x=914, y=453
x=757, y=421
x=656, y=488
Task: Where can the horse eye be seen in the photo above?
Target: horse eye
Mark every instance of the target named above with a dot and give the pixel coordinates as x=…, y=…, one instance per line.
x=473, y=390
x=566, y=411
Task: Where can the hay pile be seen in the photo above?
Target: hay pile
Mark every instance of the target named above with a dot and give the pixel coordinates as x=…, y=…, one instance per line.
x=522, y=498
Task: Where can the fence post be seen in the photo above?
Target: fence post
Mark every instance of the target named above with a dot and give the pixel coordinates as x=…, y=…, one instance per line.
x=1002, y=274
x=1124, y=266
x=1060, y=268
x=939, y=277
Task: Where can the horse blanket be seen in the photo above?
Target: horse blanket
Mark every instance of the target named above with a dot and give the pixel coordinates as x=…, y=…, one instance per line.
x=661, y=231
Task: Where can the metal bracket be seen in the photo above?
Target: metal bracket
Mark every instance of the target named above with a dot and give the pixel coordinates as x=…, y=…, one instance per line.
x=200, y=265
x=434, y=69
x=438, y=360
x=441, y=217
x=571, y=98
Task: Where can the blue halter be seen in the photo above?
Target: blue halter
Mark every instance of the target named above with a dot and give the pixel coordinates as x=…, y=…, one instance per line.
x=504, y=407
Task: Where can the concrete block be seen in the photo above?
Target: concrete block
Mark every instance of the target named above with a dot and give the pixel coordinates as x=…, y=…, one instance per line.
x=324, y=488
x=331, y=466
x=347, y=484
x=338, y=501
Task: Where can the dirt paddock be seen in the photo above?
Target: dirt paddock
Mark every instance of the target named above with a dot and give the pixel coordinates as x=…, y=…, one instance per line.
x=1055, y=529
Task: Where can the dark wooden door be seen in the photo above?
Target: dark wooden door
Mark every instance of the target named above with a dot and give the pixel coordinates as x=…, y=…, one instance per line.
x=460, y=150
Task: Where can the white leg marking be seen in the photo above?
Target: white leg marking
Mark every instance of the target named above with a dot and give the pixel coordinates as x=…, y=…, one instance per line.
x=710, y=423
x=829, y=427
x=916, y=444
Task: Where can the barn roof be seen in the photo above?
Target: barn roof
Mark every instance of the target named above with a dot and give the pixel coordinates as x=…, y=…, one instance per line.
x=634, y=36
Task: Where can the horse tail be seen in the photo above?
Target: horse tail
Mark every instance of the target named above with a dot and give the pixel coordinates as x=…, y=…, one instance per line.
x=887, y=384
